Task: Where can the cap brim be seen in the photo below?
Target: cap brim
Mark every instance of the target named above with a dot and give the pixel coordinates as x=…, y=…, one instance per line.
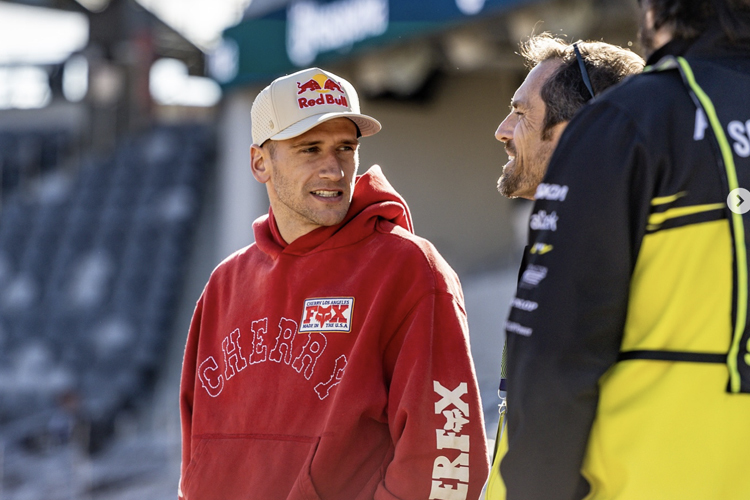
x=366, y=124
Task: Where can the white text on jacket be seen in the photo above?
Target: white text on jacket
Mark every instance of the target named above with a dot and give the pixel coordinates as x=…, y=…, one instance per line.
x=553, y=192
x=301, y=352
x=542, y=221
x=449, y=438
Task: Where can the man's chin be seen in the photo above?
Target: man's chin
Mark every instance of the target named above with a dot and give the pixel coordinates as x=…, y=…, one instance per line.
x=505, y=178
x=506, y=187
x=331, y=218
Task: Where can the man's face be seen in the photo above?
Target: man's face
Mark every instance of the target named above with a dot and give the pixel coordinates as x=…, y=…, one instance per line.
x=521, y=131
x=310, y=178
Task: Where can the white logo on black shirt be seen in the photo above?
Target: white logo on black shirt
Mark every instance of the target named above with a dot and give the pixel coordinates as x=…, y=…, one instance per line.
x=513, y=327
x=554, y=192
x=541, y=221
x=525, y=305
x=740, y=132
x=532, y=276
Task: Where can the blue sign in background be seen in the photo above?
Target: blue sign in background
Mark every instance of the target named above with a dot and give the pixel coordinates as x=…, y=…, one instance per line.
x=262, y=42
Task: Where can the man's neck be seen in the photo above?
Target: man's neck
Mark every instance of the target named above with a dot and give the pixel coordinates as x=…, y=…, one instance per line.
x=283, y=233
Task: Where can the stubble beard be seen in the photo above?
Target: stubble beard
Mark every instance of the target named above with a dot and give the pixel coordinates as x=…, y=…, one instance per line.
x=296, y=207
x=509, y=181
x=521, y=179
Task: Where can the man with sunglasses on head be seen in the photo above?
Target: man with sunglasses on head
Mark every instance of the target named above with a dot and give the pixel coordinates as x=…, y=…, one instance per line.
x=628, y=346
x=562, y=78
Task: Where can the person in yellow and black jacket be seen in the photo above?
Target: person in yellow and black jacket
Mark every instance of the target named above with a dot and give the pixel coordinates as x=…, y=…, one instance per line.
x=630, y=378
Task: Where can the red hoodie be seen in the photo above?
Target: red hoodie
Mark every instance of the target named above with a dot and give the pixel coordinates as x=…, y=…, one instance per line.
x=335, y=367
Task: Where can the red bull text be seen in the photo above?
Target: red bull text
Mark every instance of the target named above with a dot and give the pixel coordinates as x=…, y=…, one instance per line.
x=323, y=86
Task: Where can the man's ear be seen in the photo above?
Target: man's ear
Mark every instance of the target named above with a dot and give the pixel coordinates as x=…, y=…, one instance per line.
x=259, y=164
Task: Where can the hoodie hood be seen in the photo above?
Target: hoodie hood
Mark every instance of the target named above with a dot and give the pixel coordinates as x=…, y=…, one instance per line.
x=374, y=199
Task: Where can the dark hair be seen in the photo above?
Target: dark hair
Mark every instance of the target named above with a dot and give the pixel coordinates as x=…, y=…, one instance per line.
x=690, y=18
x=565, y=92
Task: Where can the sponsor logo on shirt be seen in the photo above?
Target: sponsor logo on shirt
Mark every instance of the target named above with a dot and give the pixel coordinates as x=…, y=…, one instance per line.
x=541, y=221
x=553, y=192
x=740, y=132
x=532, y=276
x=524, y=305
x=333, y=314
x=450, y=471
x=513, y=327
x=541, y=248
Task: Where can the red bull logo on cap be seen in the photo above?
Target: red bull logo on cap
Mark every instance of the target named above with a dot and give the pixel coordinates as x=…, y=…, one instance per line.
x=325, y=88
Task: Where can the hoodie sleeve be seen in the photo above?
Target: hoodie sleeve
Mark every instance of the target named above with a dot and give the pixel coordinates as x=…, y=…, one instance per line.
x=187, y=391
x=434, y=411
x=566, y=322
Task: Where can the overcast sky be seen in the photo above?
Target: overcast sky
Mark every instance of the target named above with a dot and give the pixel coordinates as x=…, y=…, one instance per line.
x=202, y=21
x=37, y=36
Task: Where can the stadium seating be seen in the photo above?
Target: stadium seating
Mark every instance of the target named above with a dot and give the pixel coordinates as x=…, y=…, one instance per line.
x=91, y=268
x=27, y=154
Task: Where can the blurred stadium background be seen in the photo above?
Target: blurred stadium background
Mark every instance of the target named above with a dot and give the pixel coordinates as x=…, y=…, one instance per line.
x=124, y=152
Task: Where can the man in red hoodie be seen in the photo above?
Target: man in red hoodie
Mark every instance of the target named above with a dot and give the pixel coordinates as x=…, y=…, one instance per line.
x=329, y=359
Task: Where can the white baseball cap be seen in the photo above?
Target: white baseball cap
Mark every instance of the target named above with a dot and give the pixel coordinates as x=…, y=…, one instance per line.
x=293, y=104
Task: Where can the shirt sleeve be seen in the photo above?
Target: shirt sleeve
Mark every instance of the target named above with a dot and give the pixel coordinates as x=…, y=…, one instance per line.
x=566, y=321
x=187, y=391
x=434, y=409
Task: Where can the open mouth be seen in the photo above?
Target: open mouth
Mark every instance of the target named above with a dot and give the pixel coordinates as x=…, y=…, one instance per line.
x=510, y=150
x=325, y=193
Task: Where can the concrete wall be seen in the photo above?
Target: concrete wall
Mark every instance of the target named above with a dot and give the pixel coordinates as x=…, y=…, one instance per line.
x=443, y=158
x=240, y=199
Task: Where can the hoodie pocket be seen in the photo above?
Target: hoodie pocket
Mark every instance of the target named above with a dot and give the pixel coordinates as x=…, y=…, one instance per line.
x=250, y=466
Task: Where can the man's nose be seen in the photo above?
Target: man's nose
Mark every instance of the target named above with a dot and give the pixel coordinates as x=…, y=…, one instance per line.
x=504, y=132
x=332, y=167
